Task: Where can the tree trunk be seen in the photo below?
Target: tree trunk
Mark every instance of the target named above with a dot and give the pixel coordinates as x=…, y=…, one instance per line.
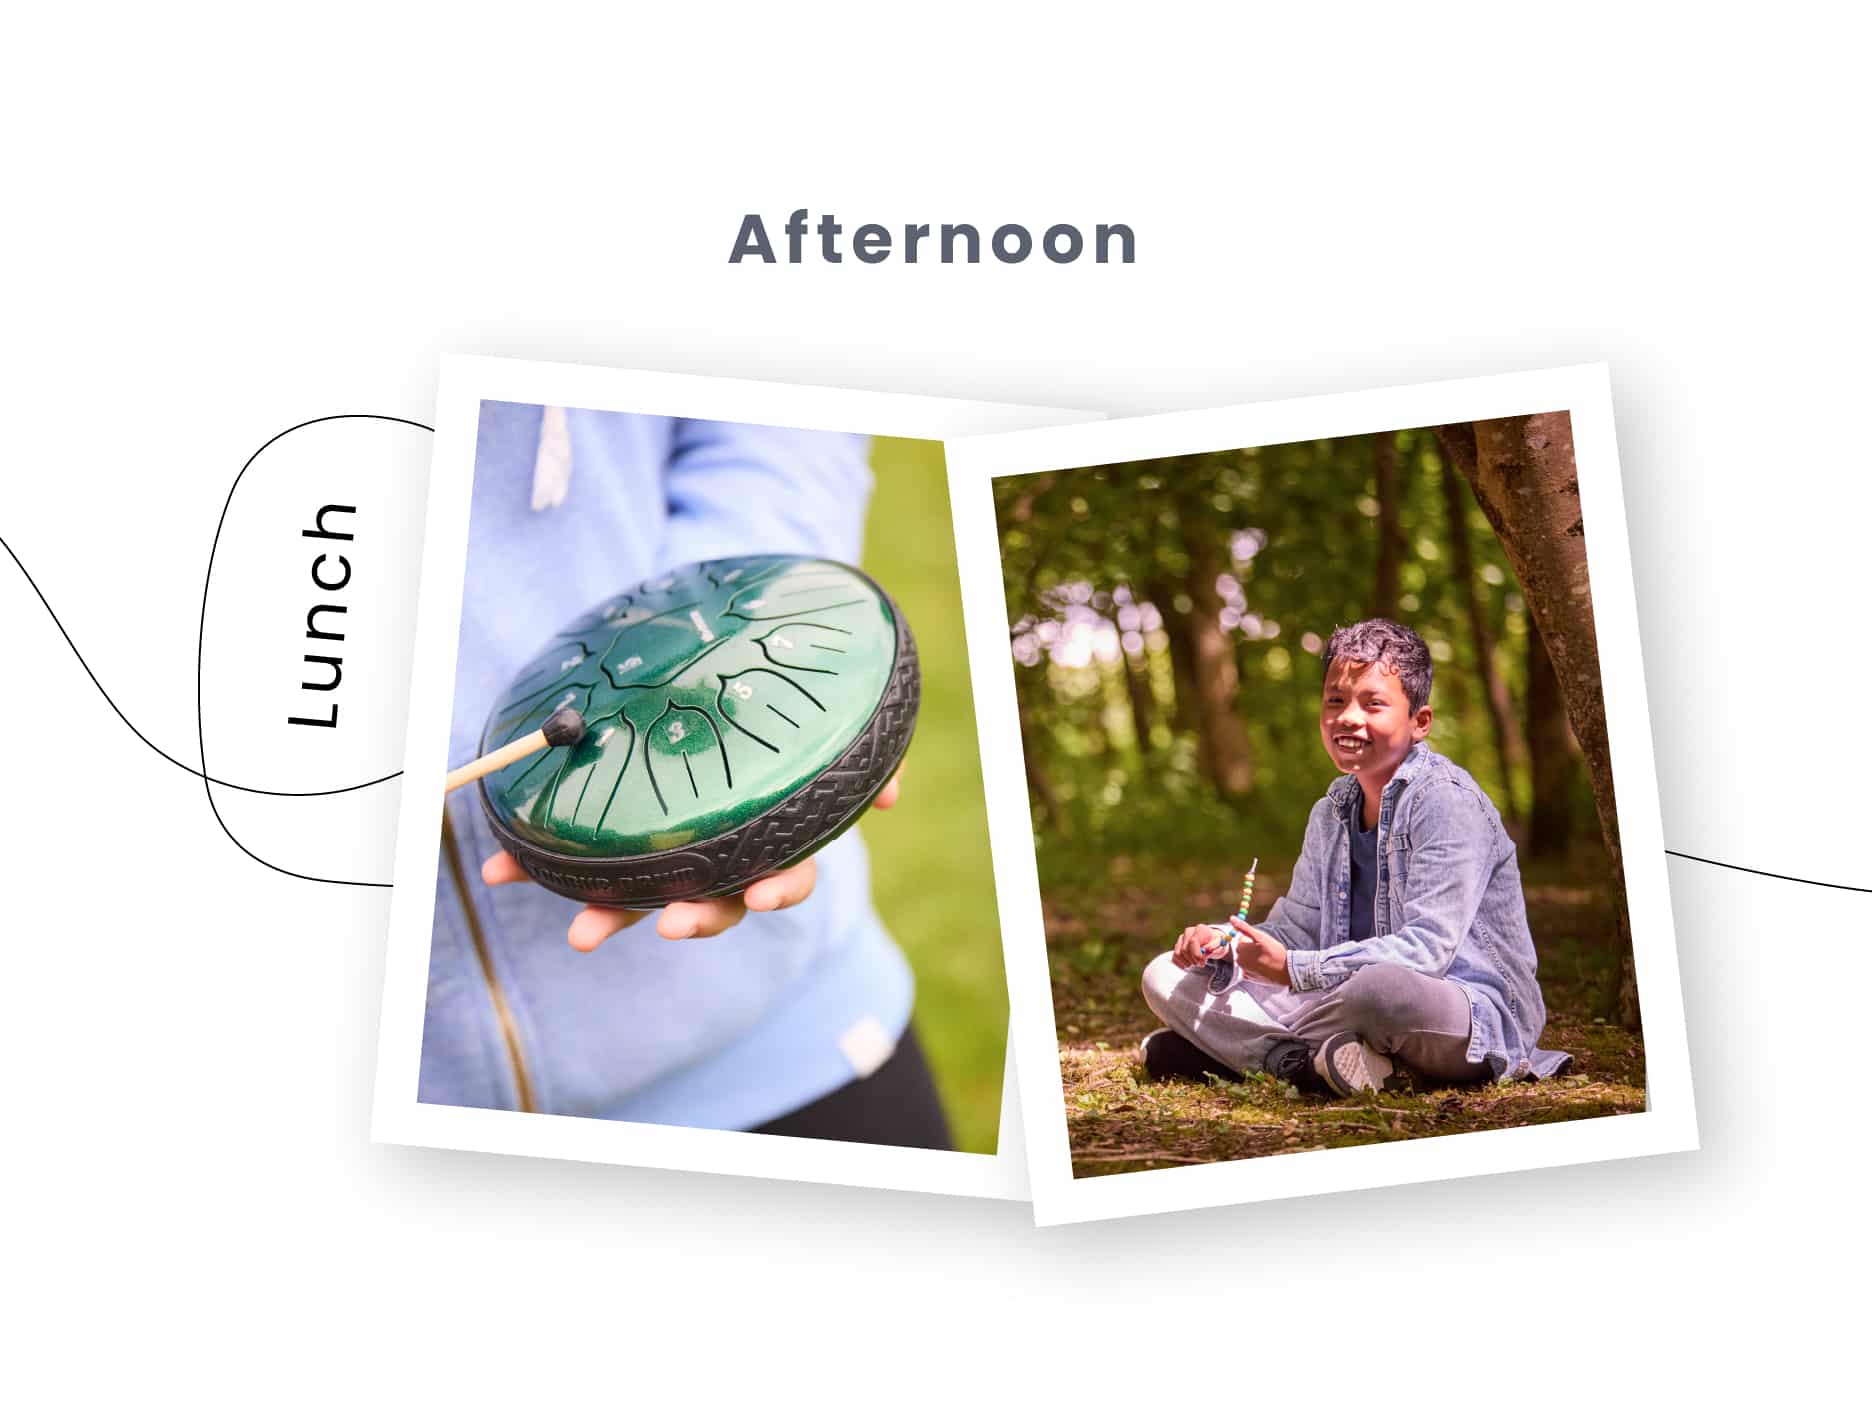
x=1511, y=748
x=1025, y=681
x=1551, y=748
x=1218, y=683
x=1137, y=688
x=1523, y=474
x=1037, y=783
x=1176, y=627
x=1384, y=599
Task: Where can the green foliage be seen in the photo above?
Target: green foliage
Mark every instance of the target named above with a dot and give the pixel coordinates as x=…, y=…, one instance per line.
x=931, y=877
x=1105, y=566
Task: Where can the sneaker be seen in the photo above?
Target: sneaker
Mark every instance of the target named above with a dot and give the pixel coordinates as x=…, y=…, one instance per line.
x=1221, y=971
x=1291, y=1061
x=1167, y=1053
x=1347, y=1064
x=1144, y=1048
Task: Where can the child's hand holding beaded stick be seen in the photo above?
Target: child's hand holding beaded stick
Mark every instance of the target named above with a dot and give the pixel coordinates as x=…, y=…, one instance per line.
x=1260, y=956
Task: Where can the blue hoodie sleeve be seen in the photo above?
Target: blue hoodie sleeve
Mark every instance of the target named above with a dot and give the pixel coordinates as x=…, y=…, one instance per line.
x=739, y=489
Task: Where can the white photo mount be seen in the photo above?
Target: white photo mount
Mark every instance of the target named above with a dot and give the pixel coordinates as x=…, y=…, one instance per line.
x=1669, y=1122
x=397, y=1116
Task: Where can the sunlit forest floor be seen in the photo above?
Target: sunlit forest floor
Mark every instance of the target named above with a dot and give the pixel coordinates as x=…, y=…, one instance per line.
x=1104, y=925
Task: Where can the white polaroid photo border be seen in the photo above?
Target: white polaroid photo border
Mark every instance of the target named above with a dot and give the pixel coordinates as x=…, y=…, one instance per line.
x=396, y=1114
x=1668, y=1124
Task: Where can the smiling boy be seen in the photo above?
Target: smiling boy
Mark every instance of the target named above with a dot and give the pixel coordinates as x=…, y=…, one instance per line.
x=1403, y=935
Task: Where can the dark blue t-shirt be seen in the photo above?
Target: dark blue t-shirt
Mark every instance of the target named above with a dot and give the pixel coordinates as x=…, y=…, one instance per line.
x=1364, y=876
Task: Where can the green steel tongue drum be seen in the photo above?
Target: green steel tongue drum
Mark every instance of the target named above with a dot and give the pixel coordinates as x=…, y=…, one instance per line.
x=738, y=716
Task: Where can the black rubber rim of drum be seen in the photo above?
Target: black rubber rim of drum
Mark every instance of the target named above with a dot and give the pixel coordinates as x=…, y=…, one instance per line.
x=835, y=800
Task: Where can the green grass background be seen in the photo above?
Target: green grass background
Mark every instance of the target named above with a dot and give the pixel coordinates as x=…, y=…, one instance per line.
x=931, y=876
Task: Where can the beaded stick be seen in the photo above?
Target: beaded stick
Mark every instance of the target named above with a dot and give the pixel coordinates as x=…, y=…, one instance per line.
x=1247, y=896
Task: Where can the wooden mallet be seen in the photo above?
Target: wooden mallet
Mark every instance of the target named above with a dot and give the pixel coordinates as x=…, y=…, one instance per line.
x=564, y=727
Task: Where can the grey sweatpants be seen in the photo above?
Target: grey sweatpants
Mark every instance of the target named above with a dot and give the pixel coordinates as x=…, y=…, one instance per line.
x=1418, y=1019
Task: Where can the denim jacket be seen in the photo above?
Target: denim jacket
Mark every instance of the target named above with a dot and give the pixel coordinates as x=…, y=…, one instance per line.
x=1449, y=904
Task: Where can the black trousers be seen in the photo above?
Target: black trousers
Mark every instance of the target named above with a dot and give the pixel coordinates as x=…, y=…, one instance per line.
x=895, y=1106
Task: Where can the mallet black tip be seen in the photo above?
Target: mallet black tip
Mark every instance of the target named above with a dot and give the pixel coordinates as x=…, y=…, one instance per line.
x=564, y=727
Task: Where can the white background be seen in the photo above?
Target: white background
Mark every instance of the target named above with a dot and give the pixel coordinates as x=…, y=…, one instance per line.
x=224, y=223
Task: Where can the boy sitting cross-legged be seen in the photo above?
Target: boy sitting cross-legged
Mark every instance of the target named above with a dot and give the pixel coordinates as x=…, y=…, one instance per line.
x=1403, y=935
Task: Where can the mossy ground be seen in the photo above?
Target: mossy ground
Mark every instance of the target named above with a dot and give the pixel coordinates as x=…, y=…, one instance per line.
x=1104, y=927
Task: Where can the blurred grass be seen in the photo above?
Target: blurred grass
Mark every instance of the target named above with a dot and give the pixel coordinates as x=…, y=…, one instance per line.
x=931, y=876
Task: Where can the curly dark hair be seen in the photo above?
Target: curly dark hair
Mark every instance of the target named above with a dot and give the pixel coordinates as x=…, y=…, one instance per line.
x=1385, y=641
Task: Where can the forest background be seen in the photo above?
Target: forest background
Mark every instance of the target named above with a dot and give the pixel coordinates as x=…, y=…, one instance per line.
x=1168, y=621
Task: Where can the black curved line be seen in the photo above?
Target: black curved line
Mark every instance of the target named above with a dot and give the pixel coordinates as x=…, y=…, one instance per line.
x=683, y=671
x=796, y=614
x=759, y=589
x=552, y=794
x=681, y=607
x=761, y=641
x=531, y=700
x=613, y=623
x=785, y=596
x=782, y=677
x=774, y=565
x=520, y=779
x=829, y=628
x=761, y=644
x=605, y=664
x=650, y=769
x=594, y=618
x=721, y=748
x=584, y=656
x=580, y=803
x=622, y=770
x=201, y=640
x=721, y=742
x=179, y=764
x=209, y=781
x=521, y=727
x=721, y=695
x=1762, y=872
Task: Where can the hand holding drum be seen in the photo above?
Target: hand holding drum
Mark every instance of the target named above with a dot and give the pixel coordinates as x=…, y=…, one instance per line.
x=698, y=736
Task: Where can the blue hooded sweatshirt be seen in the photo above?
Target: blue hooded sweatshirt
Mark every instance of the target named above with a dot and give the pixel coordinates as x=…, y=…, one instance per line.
x=723, y=1033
